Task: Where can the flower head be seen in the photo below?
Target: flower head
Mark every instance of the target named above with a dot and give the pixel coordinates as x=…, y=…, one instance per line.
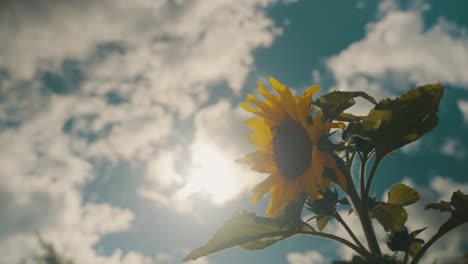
x=286, y=136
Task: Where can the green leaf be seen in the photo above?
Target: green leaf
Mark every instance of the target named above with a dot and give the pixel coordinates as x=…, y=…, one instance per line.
x=458, y=207
x=254, y=232
x=334, y=103
x=394, y=123
x=322, y=221
x=390, y=216
x=442, y=206
x=262, y=243
x=401, y=194
x=347, y=117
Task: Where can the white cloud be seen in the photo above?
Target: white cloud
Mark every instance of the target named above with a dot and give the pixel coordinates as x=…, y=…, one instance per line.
x=220, y=138
x=170, y=54
x=308, y=257
x=463, y=106
x=451, y=147
x=174, y=257
x=398, y=51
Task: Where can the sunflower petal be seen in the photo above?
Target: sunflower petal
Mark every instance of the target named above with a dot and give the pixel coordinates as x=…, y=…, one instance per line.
x=262, y=188
x=260, y=140
x=258, y=125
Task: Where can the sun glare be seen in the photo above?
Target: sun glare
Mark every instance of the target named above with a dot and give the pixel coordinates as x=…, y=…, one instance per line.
x=213, y=175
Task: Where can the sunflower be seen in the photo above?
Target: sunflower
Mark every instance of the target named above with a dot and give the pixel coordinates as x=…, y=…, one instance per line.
x=286, y=135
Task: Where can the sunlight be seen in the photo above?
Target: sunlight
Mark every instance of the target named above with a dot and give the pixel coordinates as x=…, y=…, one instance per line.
x=214, y=175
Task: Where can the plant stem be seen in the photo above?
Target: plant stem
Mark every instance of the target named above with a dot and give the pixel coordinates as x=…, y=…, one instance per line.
x=442, y=231
x=350, y=232
x=363, y=213
x=358, y=250
x=363, y=176
x=405, y=261
x=371, y=176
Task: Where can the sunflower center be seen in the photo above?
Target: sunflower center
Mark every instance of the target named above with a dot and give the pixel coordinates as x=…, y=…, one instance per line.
x=292, y=149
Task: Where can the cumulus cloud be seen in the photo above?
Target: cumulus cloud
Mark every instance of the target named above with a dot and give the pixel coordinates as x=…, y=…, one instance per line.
x=112, y=80
x=400, y=51
x=452, y=147
x=308, y=257
x=463, y=106
x=219, y=139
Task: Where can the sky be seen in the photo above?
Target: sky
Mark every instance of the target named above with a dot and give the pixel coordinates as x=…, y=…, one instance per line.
x=120, y=120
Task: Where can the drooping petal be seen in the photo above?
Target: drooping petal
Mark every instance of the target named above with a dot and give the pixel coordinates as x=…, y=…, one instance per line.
x=260, y=161
x=262, y=188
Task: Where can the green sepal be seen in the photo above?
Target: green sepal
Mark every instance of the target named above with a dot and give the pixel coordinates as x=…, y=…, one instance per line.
x=322, y=221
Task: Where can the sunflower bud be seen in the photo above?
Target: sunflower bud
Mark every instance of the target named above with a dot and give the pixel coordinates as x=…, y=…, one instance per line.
x=325, y=205
x=399, y=240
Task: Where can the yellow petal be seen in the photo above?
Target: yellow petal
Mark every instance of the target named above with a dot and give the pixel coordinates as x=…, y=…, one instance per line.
x=261, y=189
x=260, y=140
x=258, y=125
x=307, y=96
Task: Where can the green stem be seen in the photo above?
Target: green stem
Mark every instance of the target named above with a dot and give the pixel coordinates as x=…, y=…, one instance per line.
x=363, y=214
x=363, y=176
x=442, y=231
x=350, y=232
x=405, y=261
x=371, y=176
x=358, y=250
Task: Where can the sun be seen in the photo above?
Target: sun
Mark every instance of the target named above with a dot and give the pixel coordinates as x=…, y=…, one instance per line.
x=214, y=175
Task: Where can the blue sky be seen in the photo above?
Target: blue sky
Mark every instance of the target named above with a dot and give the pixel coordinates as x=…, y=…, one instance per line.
x=119, y=120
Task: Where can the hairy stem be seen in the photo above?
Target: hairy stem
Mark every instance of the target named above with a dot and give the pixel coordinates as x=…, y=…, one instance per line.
x=358, y=250
x=350, y=232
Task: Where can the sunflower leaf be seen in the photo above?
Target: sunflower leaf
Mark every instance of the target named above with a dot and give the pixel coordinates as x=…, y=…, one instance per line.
x=442, y=206
x=335, y=102
x=347, y=117
x=401, y=194
x=254, y=232
x=390, y=216
x=393, y=123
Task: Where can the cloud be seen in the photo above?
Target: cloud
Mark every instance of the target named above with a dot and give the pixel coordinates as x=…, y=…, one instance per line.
x=116, y=81
x=451, y=147
x=399, y=51
x=211, y=173
x=308, y=257
x=169, y=258
x=463, y=106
